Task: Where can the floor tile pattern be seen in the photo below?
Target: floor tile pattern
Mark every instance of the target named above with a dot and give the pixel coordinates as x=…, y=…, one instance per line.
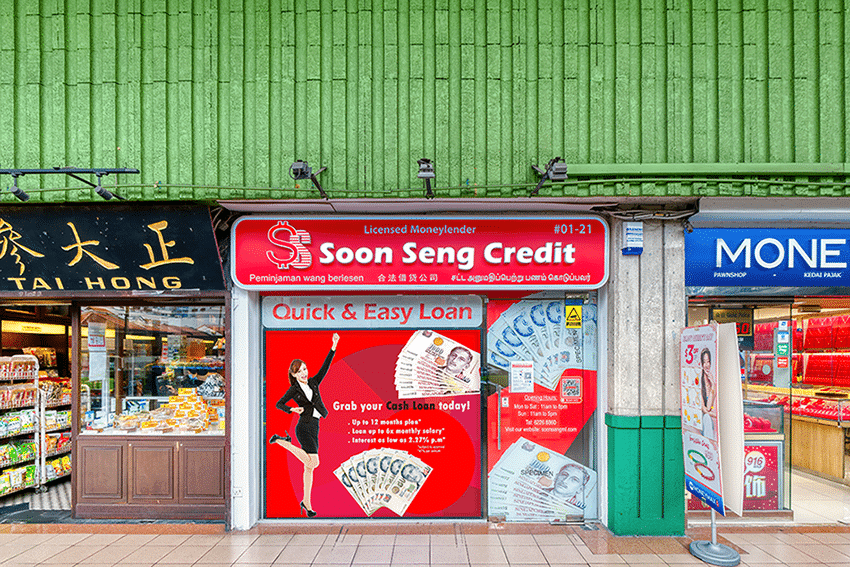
x=404, y=545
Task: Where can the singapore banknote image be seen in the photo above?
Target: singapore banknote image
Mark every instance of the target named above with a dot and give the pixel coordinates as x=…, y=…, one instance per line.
x=383, y=478
x=534, y=484
x=432, y=365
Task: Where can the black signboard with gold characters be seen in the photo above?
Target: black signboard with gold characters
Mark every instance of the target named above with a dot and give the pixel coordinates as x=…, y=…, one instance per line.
x=138, y=248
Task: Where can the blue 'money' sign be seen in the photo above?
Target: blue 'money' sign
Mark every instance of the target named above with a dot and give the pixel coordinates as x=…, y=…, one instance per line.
x=767, y=257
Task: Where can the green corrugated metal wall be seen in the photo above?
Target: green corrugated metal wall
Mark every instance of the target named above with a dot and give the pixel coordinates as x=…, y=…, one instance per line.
x=216, y=99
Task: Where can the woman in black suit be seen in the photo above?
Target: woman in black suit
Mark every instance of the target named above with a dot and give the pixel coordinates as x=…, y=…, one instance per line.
x=304, y=392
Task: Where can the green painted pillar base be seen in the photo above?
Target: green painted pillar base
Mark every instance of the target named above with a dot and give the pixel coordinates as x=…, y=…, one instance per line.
x=646, y=483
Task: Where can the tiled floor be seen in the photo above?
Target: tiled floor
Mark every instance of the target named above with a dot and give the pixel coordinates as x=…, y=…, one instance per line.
x=816, y=538
x=402, y=545
x=818, y=501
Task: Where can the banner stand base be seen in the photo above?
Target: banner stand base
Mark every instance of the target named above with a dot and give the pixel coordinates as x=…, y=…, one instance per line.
x=715, y=553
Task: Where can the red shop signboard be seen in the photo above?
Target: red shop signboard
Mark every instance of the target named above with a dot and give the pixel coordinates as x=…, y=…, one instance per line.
x=442, y=253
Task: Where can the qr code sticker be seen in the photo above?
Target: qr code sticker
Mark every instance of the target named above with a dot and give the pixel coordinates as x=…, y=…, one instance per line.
x=571, y=387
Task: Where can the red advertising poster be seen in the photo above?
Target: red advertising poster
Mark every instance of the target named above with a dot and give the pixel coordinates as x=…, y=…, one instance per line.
x=532, y=426
x=401, y=437
x=761, y=478
x=385, y=253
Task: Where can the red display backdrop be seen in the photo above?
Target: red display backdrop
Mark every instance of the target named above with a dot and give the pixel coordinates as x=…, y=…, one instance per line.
x=365, y=412
x=761, y=479
x=445, y=253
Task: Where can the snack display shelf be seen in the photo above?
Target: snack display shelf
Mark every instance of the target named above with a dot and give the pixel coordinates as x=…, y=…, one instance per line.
x=17, y=489
x=60, y=477
x=55, y=453
x=58, y=429
x=6, y=464
x=28, y=431
x=58, y=404
x=4, y=407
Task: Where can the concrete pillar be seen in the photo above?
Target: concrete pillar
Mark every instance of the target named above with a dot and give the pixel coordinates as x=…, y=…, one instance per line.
x=245, y=409
x=646, y=311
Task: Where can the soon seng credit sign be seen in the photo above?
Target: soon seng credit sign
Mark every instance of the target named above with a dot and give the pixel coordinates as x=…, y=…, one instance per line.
x=276, y=253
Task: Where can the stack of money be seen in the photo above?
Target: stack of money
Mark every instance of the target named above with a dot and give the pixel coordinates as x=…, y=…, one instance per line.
x=536, y=331
x=533, y=484
x=383, y=478
x=432, y=365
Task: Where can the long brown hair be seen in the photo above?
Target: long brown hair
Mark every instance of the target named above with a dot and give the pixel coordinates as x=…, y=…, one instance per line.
x=294, y=367
x=703, y=387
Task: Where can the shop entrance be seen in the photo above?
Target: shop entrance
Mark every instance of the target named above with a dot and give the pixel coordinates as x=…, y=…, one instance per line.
x=135, y=364
x=541, y=374
x=35, y=431
x=796, y=385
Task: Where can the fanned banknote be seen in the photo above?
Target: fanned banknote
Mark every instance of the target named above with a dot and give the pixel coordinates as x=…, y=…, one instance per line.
x=535, y=330
x=432, y=365
x=383, y=478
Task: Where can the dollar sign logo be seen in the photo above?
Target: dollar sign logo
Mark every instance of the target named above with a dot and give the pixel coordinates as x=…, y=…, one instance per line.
x=292, y=241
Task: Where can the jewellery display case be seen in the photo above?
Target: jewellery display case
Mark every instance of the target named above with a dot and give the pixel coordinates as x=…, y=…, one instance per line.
x=820, y=418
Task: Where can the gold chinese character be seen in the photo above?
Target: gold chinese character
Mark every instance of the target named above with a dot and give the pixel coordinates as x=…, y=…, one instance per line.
x=10, y=238
x=80, y=246
x=158, y=227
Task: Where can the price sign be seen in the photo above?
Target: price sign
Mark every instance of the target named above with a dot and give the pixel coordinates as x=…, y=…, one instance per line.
x=742, y=317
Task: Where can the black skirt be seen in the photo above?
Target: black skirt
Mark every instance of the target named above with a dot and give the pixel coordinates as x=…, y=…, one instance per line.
x=307, y=433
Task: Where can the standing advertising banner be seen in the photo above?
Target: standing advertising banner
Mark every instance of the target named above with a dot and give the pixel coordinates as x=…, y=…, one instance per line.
x=712, y=416
x=762, y=486
x=399, y=427
x=534, y=423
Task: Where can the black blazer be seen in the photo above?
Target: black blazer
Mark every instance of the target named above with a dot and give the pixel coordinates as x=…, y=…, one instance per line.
x=296, y=393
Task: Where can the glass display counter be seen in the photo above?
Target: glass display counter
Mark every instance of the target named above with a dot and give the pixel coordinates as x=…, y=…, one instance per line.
x=767, y=475
x=820, y=418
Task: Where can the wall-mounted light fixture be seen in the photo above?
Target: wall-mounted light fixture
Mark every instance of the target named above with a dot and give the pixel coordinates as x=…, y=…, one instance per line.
x=556, y=171
x=300, y=169
x=17, y=191
x=103, y=192
x=72, y=172
x=426, y=172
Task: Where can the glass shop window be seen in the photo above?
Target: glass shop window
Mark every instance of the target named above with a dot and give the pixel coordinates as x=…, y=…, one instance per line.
x=152, y=370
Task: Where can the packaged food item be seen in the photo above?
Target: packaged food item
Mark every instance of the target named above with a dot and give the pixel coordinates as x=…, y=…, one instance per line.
x=13, y=423
x=29, y=475
x=24, y=367
x=26, y=450
x=63, y=441
x=5, y=367
x=16, y=477
x=5, y=483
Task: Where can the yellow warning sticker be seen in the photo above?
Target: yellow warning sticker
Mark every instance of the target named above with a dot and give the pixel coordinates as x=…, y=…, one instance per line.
x=572, y=316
